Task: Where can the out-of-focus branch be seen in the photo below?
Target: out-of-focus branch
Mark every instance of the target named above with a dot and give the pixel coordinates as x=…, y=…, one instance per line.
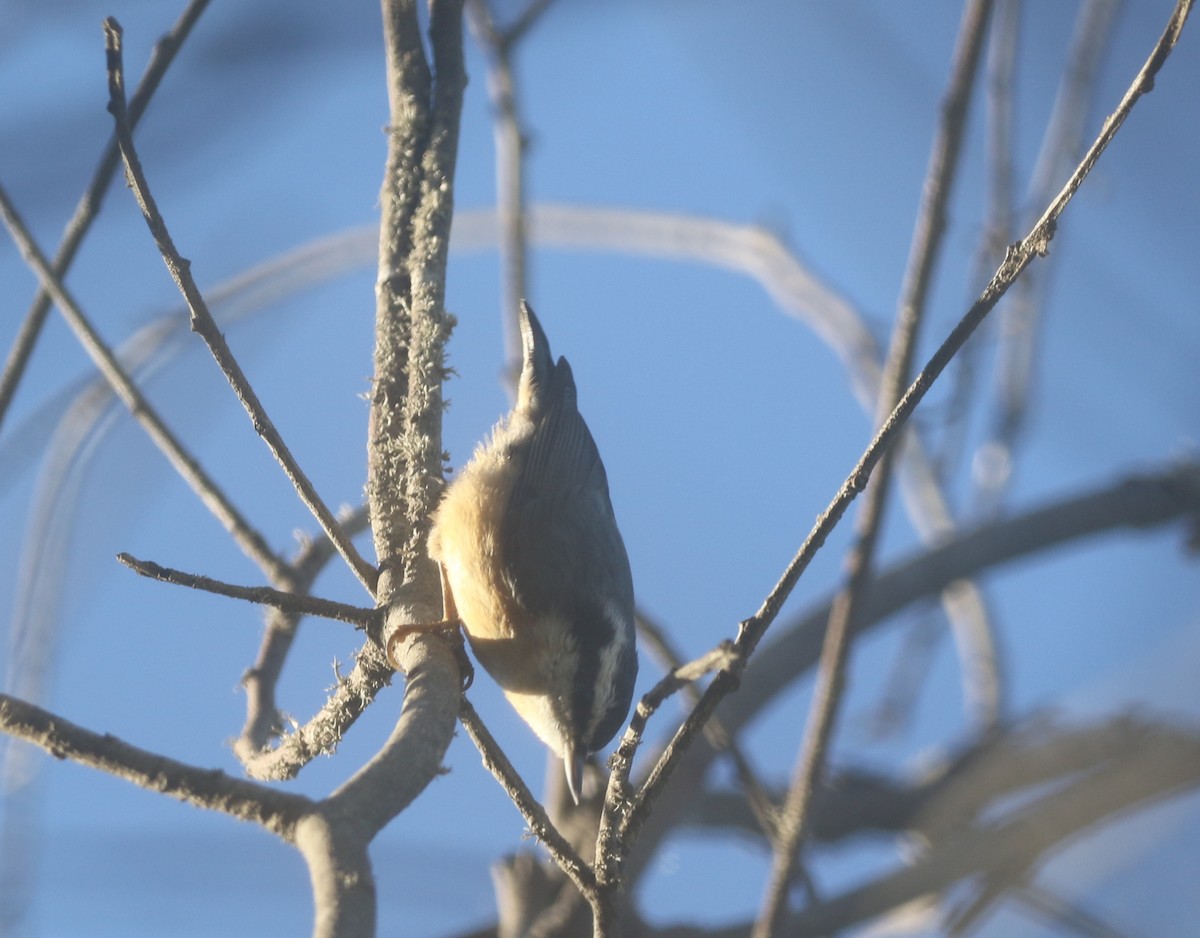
x=1113, y=768
x=1007, y=803
x=510, y=141
x=89, y=205
x=1019, y=256
x=831, y=675
x=1019, y=331
x=998, y=225
x=1063, y=915
x=515, y=31
x=202, y=320
x=252, y=543
x=1139, y=502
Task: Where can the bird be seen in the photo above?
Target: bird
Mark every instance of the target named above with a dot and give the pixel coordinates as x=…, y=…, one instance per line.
x=534, y=567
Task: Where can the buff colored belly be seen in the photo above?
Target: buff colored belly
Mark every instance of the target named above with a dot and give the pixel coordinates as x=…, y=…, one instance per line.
x=465, y=539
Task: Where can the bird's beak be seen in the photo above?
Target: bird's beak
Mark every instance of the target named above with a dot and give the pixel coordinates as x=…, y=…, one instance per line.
x=573, y=761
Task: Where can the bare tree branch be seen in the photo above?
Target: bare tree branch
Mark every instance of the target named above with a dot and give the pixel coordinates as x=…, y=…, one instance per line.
x=324, y=730
x=202, y=321
x=1131, y=763
x=404, y=459
x=1137, y=502
x=295, y=603
x=611, y=840
x=1015, y=376
x=262, y=718
x=1019, y=256
x=274, y=810
x=252, y=543
x=496, y=762
x=89, y=205
x=405, y=452
x=831, y=675
x=657, y=643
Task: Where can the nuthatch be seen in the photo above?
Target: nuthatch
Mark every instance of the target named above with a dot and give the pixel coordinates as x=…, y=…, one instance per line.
x=535, y=566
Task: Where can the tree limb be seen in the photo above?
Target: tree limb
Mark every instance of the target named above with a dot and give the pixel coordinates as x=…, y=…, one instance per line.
x=277, y=811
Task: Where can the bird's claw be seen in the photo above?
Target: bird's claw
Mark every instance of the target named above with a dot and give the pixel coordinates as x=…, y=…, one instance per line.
x=452, y=631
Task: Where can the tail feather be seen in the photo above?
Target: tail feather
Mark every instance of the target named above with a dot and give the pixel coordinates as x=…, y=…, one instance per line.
x=537, y=365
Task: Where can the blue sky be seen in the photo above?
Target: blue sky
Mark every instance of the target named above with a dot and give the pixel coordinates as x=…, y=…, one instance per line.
x=725, y=424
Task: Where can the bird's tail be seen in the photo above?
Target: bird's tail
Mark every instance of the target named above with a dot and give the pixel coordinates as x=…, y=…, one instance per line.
x=537, y=365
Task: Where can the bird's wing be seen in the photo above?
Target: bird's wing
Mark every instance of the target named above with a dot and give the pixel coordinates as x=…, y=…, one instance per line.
x=561, y=530
x=562, y=458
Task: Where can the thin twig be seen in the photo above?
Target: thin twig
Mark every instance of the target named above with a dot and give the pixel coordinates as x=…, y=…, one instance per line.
x=1015, y=375
x=725, y=659
x=1138, y=502
x=274, y=810
x=1019, y=256
x=998, y=228
x=252, y=543
x=295, y=603
x=89, y=205
x=202, y=321
x=973, y=631
x=496, y=762
x=510, y=141
x=831, y=675
x=260, y=680
x=655, y=641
